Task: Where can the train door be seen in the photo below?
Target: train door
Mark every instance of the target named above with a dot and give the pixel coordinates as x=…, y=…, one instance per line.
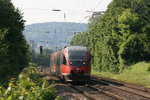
x=62, y=60
x=62, y=64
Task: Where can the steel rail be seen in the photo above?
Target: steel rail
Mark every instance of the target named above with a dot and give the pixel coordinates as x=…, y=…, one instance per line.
x=144, y=94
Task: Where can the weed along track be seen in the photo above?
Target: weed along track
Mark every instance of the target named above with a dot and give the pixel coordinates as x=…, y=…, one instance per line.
x=96, y=89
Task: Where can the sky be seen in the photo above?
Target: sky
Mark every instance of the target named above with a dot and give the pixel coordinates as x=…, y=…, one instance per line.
x=39, y=11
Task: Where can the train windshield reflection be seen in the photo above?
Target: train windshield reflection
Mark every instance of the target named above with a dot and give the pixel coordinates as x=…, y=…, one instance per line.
x=77, y=58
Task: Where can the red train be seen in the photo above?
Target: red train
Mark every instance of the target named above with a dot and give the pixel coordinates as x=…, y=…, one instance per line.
x=71, y=64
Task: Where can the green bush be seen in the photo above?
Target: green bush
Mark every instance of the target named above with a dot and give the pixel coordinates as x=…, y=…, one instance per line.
x=30, y=86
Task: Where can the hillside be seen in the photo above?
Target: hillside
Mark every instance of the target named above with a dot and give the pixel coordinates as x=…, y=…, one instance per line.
x=52, y=35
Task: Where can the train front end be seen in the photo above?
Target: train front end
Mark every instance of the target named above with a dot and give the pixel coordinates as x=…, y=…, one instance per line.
x=78, y=66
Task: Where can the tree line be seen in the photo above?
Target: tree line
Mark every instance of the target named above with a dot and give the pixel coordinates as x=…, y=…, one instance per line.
x=13, y=47
x=119, y=37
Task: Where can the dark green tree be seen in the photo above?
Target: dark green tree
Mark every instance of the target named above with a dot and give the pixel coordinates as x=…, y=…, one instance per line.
x=16, y=53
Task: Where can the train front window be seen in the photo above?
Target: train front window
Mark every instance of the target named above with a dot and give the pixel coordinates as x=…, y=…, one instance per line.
x=77, y=58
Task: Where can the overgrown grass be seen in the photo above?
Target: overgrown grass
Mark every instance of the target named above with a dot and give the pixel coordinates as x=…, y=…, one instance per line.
x=29, y=86
x=138, y=74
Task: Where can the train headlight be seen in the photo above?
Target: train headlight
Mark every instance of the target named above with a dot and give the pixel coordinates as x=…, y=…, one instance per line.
x=84, y=63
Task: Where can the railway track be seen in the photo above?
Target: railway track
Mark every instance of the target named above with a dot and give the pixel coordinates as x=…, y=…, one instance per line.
x=112, y=81
x=95, y=93
x=88, y=92
x=124, y=90
x=92, y=93
x=112, y=90
x=97, y=89
x=100, y=89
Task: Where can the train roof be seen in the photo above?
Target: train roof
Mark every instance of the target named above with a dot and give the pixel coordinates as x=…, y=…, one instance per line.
x=80, y=48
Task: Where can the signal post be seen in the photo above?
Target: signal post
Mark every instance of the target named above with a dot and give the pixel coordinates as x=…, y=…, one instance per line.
x=41, y=51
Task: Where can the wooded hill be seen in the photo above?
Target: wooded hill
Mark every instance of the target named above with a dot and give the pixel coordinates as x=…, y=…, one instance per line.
x=52, y=34
x=119, y=37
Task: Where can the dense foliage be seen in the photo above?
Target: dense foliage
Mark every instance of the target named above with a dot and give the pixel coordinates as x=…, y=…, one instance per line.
x=30, y=86
x=13, y=47
x=120, y=37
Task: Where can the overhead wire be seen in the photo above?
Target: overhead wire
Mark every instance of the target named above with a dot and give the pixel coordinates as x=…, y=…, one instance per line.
x=97, y=5
x=92, y=10
x=65, y=12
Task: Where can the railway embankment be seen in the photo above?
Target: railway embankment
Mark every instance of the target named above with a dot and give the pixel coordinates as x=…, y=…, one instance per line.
x=138, y=74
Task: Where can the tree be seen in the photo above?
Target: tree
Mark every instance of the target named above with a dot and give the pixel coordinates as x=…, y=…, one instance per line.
x=14, y=41
x=119, y=37
x=4, y=63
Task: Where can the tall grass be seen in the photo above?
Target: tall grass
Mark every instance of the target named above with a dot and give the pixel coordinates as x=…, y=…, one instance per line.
x=138, y=73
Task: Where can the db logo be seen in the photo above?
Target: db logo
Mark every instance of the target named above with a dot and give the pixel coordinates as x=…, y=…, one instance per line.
x=77, y=69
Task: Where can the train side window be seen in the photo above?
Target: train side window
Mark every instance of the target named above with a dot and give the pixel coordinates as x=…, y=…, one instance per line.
x=64, y=60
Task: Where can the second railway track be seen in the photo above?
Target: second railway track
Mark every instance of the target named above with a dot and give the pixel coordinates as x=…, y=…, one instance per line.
x=122, y=90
